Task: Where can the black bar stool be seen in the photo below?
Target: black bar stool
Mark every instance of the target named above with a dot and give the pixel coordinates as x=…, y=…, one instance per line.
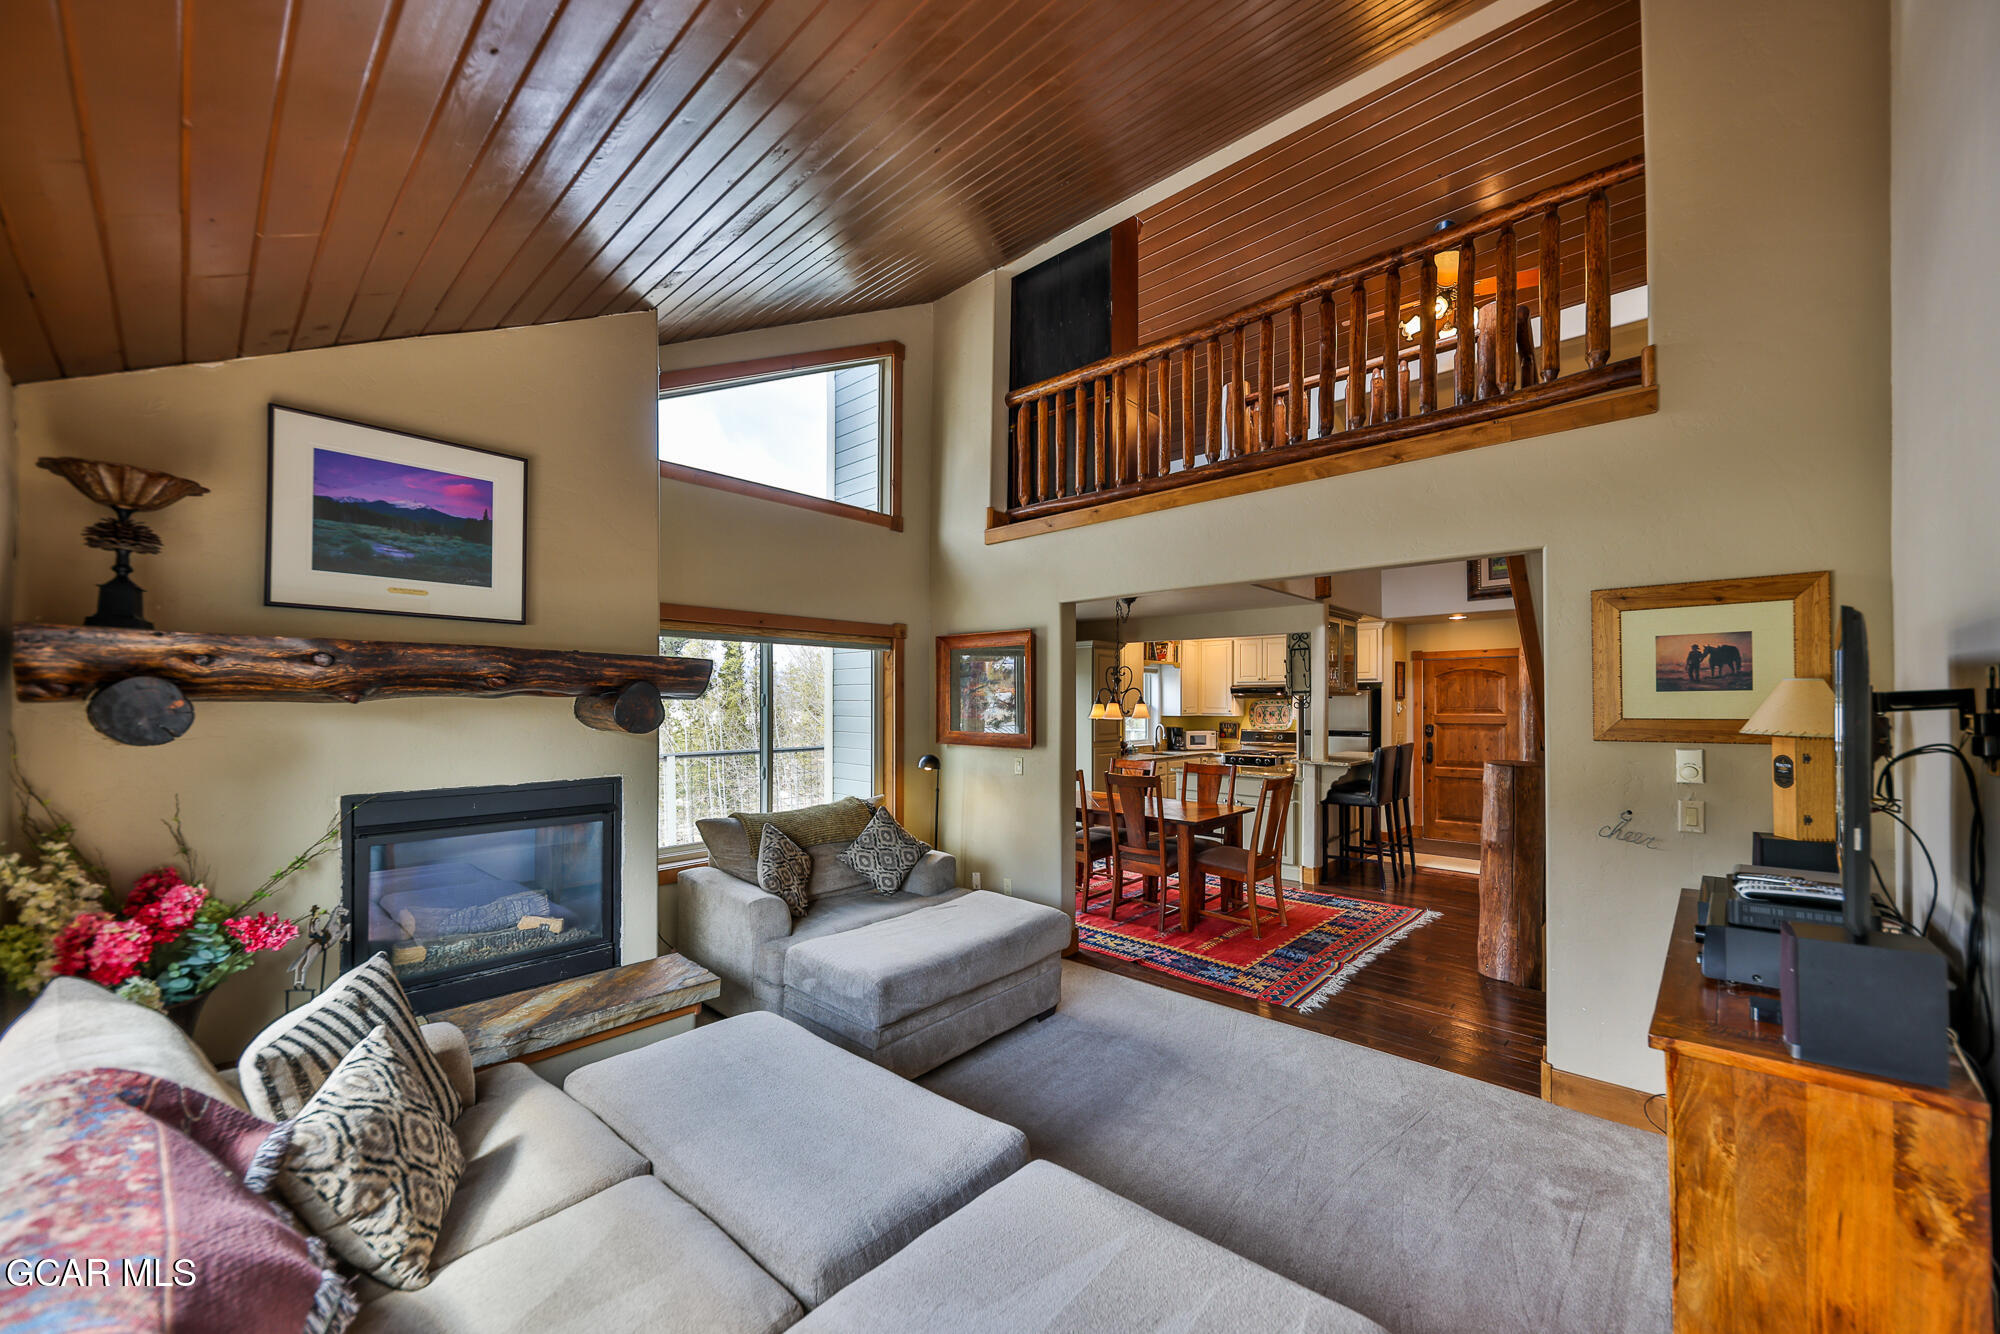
x=1374, y=794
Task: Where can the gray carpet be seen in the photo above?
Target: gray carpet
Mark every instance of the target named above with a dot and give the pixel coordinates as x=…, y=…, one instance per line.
x=1430, y=1202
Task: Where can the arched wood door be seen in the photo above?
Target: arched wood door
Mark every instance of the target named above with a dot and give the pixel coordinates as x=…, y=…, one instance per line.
x=1468, y=712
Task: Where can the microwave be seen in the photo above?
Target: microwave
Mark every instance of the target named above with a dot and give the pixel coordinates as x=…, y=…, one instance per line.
x=1198, y=740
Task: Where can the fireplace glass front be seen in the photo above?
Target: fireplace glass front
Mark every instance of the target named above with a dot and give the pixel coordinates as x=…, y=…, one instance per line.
x=476, y=892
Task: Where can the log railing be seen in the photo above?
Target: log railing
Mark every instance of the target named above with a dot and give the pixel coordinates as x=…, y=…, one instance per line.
x=1349, y=360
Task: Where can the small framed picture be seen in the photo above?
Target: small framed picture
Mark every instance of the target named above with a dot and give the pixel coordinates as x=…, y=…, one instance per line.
x=1400, y=679
x=366, y=519
x=1690, y=663
x=1486, y=578
x=986, y=689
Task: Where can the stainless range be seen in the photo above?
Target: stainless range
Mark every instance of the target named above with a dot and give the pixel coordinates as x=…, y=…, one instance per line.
x=1264, y=750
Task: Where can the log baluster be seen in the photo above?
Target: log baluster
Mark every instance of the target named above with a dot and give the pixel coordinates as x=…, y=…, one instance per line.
x=1024, y=469
x=1505, y=371
x=1392, y=337
x=1101, y=423
x=1120, y=415
x=1187, y=406
x=1326, y=366
x=1596, y=282
x=1427, y=335
x=1212, y=434
x=1464, y=382
x=1047, y=441
x=1295, y=378
x=1266, y=405
x=1488, y=355
x=1157, y=435
x=1357, y=355
x=1524, y=344
x=1239, y=392
x=1549, y=295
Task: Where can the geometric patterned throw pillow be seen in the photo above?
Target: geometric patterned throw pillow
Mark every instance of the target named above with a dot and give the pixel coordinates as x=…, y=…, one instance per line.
x=783, y=869
x=372, y=1164
x=281, y=1072
x=885, y=853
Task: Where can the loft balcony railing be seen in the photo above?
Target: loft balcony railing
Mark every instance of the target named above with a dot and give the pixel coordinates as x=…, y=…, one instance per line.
x=1339, y=374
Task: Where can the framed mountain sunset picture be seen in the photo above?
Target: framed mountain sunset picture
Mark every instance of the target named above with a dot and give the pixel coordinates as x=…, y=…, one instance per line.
x=367, y=519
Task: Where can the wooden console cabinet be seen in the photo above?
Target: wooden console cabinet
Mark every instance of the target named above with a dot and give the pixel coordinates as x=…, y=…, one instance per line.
x=1806, y=1197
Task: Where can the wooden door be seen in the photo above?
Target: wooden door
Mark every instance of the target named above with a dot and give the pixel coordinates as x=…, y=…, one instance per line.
x=1468, y=712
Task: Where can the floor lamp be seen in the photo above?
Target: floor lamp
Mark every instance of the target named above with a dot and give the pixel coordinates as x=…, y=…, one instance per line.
x=930, y=764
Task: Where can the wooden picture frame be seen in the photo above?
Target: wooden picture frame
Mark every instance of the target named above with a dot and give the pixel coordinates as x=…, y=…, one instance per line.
x=1487, y=578
x=1710, y=610
x=987, y=679
x=1402, y=681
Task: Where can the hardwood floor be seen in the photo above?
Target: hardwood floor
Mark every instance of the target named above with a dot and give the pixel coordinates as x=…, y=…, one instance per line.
x=1424, y=999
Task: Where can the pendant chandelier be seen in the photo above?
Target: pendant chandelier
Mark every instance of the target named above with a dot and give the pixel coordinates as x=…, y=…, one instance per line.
x=1118, y=699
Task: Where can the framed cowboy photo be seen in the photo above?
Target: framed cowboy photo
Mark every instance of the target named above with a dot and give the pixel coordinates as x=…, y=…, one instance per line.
x=1691, y=662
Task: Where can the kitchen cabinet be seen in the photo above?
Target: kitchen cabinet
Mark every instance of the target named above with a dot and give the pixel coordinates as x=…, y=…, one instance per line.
x=1208, y=670
x=1370, y=638
x=1259, y=661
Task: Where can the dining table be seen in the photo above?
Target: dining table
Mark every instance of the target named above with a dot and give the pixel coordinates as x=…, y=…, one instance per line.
x=1190, y=818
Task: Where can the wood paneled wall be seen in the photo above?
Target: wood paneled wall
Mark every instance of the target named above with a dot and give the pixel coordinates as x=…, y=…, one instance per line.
x=1543, y=100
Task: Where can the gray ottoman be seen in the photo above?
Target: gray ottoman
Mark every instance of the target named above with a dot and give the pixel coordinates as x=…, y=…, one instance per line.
x=1047, y=1252
x=912, y=992
x=817, y=1163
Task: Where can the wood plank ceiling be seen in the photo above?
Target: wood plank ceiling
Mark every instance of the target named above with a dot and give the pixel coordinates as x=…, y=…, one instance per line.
x=1545, y=99
x=191, y=180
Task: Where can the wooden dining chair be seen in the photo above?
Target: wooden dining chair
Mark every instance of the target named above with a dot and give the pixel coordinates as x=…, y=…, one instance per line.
x=1246, y=867
x=1142, y=845
x=1212, y=785
x=1136, y=768
x=1094, y=844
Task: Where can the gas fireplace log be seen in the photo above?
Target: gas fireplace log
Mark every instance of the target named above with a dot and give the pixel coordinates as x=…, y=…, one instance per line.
x=633, y=708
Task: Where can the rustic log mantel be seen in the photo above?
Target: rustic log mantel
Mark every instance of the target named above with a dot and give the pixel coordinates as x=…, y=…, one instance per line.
x=139, y=682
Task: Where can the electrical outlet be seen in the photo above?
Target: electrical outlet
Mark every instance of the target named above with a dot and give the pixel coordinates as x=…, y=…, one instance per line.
x=1693, y=818
x=975, y=880
x=1006, y=886
x=1020, y=765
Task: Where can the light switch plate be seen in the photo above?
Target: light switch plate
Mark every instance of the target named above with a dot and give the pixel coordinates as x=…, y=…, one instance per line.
x=1020, y=765
x=1690, y=767
x=1693, y=817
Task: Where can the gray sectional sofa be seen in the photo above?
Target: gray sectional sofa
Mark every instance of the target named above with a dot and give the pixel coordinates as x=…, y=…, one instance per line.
x=744, y=1178
x=909, y=979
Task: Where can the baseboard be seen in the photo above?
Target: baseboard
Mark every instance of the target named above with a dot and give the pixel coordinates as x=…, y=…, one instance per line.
x=1613, y=1102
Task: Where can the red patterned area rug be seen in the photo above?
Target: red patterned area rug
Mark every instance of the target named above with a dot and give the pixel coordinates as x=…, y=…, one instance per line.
x=1325, y=941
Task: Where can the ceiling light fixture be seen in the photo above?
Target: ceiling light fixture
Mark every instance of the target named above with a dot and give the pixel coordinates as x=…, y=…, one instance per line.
x=1456, y=616
x=1118, y=699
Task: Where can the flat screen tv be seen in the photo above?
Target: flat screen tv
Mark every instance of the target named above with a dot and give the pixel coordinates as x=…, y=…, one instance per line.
x=1854, y=740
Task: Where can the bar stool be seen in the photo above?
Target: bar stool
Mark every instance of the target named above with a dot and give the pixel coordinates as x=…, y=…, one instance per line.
x=1372, y=794
x=1405, y=821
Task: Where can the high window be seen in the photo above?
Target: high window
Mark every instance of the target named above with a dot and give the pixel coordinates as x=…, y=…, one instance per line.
x=785, y=722
x=818, y=431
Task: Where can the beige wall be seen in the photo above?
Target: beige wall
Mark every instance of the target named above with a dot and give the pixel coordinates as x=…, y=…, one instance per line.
x=258, y=781
x=718, y=549
x=1945, y=211
x=1768, y=159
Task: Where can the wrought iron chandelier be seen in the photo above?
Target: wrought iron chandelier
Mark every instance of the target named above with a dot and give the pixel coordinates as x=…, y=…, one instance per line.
x=1118, y=698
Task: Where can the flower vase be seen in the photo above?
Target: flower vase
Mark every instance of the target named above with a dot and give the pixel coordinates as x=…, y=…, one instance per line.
x=186, y=1014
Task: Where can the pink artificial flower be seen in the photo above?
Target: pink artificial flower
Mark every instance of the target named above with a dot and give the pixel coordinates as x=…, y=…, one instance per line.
x=117, y=950
x=172, y=912
x=69, y=950
x=261, y=931
x=149, y=887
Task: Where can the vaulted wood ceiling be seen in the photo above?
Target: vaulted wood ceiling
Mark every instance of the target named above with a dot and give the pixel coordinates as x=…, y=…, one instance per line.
x=190, y=180
x=1546, y=99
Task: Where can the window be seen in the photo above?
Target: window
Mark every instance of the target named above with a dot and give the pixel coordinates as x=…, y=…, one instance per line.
x=818, y=431
x=784, y=723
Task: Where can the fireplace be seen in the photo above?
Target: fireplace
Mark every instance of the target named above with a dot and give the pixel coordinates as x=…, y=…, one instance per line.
x=479, y=891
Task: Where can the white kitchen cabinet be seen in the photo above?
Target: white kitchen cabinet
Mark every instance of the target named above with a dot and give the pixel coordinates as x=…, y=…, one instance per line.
x=1369, y=659
x=1258, y=661
x=1214, y=672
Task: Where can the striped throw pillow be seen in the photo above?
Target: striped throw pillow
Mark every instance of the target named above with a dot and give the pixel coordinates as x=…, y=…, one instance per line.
x=282, y=1071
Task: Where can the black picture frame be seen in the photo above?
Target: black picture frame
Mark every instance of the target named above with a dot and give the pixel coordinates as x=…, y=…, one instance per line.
x=510, y=597
x=1486, y=578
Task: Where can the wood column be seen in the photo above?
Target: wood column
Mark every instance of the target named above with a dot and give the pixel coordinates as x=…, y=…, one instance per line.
x=1511, y=873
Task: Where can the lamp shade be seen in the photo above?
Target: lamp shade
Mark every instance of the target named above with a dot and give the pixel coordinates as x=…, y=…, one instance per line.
x=1799, y=706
